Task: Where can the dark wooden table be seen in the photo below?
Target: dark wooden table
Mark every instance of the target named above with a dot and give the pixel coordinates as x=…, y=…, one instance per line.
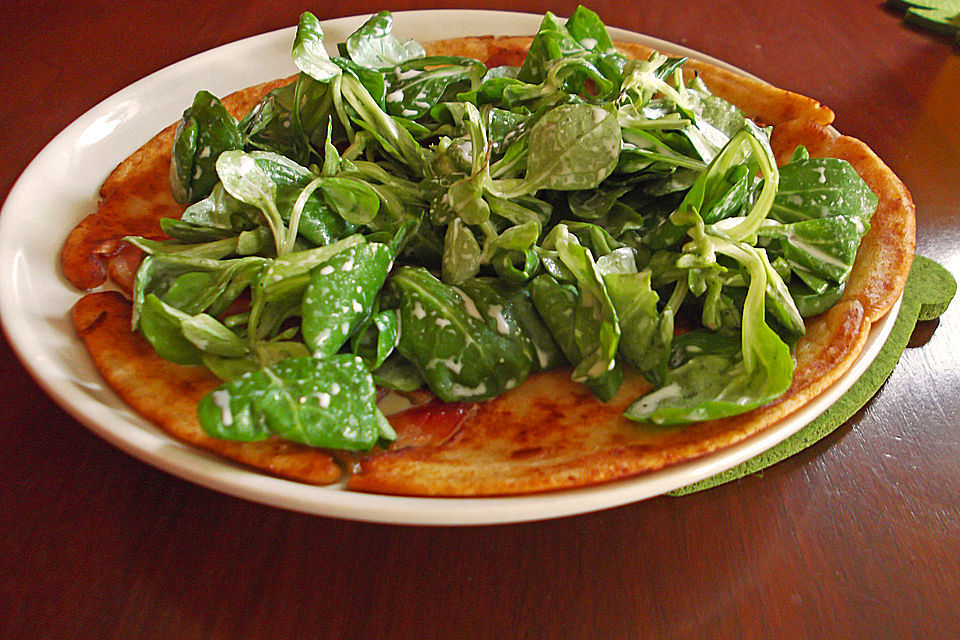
x=856, y=537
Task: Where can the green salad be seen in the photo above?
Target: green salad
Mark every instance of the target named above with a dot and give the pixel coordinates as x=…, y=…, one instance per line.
x=392, y=220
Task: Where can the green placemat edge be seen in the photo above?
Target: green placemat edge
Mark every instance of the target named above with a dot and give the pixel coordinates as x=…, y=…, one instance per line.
x=939, y=16
x=927, y=294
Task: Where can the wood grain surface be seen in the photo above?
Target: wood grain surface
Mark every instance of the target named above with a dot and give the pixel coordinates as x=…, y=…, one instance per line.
x=856, y=537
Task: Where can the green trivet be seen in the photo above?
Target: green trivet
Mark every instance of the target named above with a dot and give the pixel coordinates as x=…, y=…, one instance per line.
x=928, y=292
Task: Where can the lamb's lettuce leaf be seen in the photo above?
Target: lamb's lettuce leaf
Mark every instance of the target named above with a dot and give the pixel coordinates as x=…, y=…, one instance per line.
x=341, y=294
x=459, y=355
x=374, y=46
x=322, y=403
x=206, y=130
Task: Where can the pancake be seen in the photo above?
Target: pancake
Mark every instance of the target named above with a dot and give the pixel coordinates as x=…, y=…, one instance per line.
x=548, y=433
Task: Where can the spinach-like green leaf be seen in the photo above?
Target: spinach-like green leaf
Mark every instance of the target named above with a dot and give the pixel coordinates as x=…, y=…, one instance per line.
x=376, y=338
x=461, y=253
x=181, y=337
x=715, y=384
x=219, y=213
x=193, y=284
x=515, y=267
x=822, y=188
x=417, y=85
x=264, y=354
x=713, y=184
x=398, y=373
x=393, y=138
x=271, y=124
x=596, y=327
x=825, y=247
x=546, y=352
x=557, y=305
x=327, y=403
x=160, y=324
x=591, y=204
x=318, y=221
x=373, y=80
x=512, y=252
x=594, y=237
x=586, y=28
x=721, y=115
x=644, y=151
x=509, y=311
x=551, y=43
x=372, y=45
x=283, y=282
x=246, y=181
x=644, y=339
x=212, y=250
x=812, y=303
x=464, y=199
x=211, y=336
x=573, y=146
x=443, y=334
x=341, y=294
x=354, y=200
x=309, y=54
x=321, y=210
x=206, y=130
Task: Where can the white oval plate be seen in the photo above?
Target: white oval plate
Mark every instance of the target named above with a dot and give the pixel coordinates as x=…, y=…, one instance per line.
x=60, y=187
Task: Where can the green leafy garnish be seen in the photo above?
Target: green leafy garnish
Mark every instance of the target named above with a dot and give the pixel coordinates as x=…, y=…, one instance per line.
x=396, y=220
x=206, y=131
x=322, y=403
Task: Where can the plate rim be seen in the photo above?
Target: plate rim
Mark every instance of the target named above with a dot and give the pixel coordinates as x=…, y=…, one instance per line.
x=155, y=447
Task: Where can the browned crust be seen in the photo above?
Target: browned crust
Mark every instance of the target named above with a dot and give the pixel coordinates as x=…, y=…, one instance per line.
x=549, y=433
x=167, y=394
